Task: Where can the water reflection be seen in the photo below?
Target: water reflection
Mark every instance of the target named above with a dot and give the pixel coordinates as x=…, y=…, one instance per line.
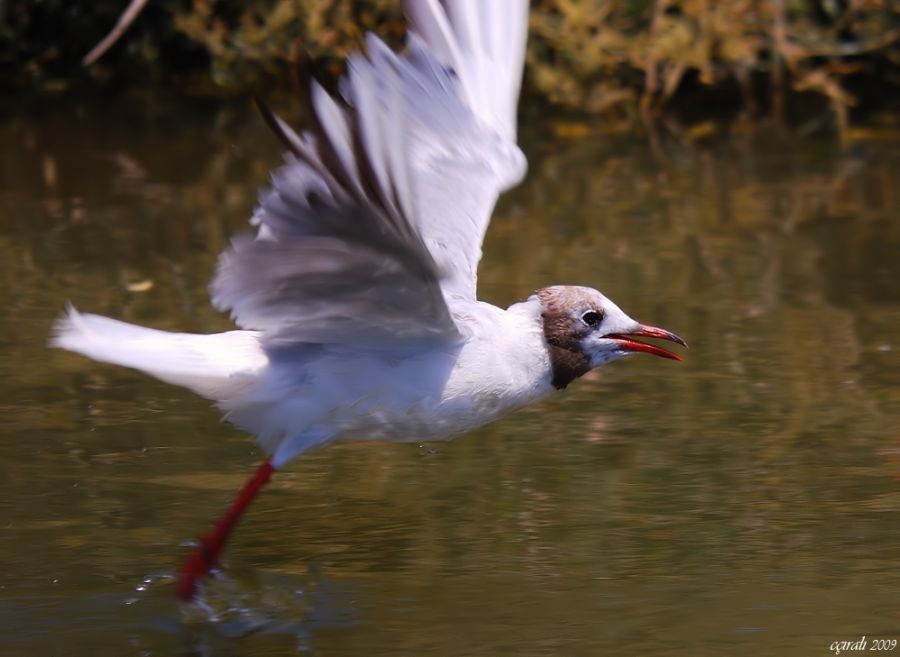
x=744, y=502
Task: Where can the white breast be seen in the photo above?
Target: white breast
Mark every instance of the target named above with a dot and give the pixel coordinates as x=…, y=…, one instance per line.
x=502, y=366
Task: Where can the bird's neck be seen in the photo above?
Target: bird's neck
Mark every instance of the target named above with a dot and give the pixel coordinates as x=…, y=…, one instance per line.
x=566, y=360
x=566, y=364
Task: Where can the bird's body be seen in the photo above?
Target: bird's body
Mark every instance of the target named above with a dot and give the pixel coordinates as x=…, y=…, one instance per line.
x=356, y=296
x=311, y=394
x=432, y=393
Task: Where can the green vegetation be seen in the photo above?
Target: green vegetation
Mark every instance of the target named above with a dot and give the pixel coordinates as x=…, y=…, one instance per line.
x=642, y=55
x=626, y=59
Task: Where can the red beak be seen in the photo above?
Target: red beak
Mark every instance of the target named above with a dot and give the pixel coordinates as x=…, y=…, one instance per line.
x=627, y=342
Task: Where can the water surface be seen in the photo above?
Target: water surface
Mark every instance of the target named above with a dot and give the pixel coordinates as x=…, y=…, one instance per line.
x=744, y=502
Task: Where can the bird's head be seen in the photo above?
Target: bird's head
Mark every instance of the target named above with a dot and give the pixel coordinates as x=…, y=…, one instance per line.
x=584, y=330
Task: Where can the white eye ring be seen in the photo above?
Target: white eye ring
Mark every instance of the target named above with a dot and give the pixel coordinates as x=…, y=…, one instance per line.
x=591, y=318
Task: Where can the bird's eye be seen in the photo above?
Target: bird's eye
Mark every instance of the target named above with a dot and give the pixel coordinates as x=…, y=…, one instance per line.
x=591, y=318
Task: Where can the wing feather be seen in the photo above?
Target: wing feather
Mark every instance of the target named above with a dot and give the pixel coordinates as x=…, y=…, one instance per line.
x=377, y=219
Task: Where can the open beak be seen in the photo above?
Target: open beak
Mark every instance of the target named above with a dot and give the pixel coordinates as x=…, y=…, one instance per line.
x=628, y=343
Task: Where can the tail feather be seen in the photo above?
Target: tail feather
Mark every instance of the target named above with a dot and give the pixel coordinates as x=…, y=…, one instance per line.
x=216, y=366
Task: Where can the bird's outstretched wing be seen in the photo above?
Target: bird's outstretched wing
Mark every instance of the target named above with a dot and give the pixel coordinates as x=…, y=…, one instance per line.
x=382, y=206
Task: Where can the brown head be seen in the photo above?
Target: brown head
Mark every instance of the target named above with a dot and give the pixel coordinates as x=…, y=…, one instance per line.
x=584, y=330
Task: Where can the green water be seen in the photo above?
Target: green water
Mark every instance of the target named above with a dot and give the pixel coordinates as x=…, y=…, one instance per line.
x=744, y=502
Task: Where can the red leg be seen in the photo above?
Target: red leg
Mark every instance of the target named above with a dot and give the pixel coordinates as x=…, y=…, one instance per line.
x=206, y=555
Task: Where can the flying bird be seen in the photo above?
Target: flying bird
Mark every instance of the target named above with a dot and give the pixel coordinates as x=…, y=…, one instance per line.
x=355, y=295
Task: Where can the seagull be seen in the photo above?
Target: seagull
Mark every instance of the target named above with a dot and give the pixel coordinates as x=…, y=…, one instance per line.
x=355, y=294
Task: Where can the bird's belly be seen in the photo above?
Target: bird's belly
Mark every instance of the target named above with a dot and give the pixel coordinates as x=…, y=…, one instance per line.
x=431, y=406
x=423, y=422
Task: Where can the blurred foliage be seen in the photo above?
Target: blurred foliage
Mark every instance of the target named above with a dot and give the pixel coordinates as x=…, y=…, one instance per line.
x=248, y=40
x=625, y=58
x=599, y=56
x=42, y=45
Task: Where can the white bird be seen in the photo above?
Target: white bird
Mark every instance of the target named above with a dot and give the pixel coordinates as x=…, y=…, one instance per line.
x=356, y=298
